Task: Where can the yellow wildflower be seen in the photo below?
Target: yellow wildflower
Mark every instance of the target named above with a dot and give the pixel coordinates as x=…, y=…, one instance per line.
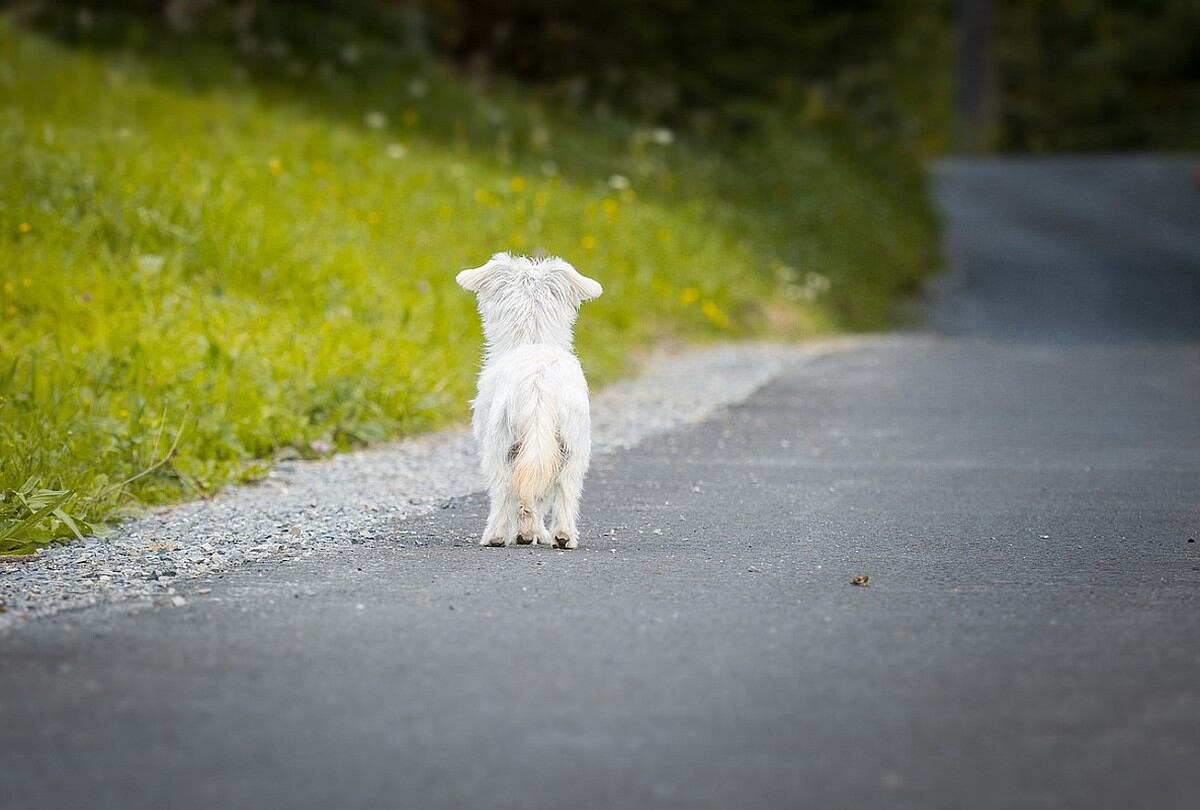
x=610, y=207
x=517, y=184
x=276, y=166
x=588, y=242
x=715, y=314
x=24, y=227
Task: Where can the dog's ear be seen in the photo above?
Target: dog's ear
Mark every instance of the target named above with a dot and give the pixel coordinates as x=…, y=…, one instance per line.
x=585, y=288
x=474, y=278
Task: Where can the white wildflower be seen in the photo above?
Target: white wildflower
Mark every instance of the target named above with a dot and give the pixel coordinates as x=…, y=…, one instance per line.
x=150, y=264
x=619, y=182
x=816, y=282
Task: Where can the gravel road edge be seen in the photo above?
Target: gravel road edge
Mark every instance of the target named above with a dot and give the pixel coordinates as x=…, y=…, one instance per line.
x=308, y=507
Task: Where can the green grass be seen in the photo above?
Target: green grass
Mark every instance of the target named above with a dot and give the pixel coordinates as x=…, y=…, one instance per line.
x=208, y=262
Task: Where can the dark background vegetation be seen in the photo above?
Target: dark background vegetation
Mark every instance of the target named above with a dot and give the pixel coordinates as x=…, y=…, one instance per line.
x=1079, y=75
x=722, y=65
x=712, y=66
x=1089, y=75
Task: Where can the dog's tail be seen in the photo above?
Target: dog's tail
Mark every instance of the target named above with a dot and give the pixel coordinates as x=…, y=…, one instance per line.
x=537, y=456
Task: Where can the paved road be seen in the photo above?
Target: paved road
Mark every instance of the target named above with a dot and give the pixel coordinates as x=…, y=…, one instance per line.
x=1082, y=250
x=1020, y=487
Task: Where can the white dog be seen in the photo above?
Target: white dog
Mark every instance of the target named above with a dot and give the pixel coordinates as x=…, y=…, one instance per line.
x=531, y=413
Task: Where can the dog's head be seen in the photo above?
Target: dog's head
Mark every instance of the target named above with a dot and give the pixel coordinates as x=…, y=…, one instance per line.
x=525, y=299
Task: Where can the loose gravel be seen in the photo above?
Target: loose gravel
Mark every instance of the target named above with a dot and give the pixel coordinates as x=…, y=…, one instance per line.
x=307, y=507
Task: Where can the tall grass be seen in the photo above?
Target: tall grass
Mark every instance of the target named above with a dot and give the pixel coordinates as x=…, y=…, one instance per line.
x=204, y=267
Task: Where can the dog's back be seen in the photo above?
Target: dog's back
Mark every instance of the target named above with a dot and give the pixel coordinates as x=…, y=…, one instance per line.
x=533, y=403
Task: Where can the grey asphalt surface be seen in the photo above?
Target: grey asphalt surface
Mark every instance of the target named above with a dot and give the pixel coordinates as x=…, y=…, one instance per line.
x=1020, y=484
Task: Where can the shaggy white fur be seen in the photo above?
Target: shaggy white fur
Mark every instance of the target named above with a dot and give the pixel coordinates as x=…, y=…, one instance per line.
x=531, y=416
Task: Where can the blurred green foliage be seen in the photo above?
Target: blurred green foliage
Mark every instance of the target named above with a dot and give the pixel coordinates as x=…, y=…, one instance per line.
x=716, y=68
x=1082, y=75
x=879, y=66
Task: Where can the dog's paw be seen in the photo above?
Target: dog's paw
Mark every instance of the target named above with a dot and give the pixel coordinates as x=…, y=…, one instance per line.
x=495, y=540
x=539, y=537
x=562, y=540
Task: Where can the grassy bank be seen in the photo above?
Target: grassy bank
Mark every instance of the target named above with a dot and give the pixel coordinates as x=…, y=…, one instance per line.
x=214, y=259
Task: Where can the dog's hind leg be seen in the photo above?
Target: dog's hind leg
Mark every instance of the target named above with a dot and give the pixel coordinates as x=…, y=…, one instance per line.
x=494, y=430
x=502, y=516
x=531, y=523
x=564, y=528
